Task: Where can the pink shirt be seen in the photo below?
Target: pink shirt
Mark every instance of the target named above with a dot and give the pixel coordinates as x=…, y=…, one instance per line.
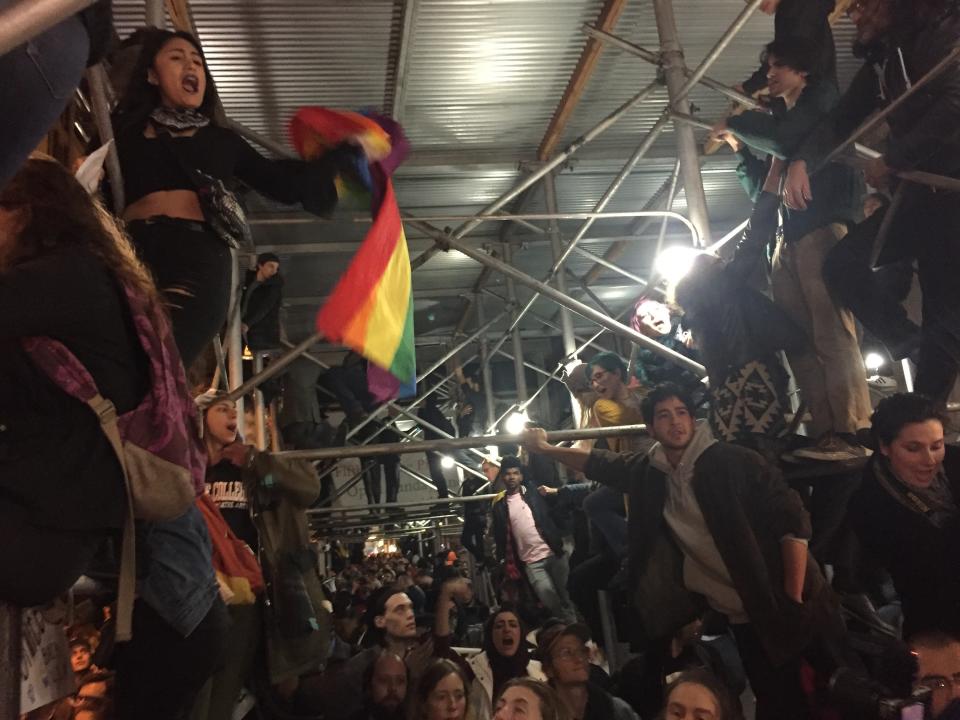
x=530, y=544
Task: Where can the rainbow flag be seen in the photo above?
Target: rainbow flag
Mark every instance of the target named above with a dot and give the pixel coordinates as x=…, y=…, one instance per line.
x=371, y=307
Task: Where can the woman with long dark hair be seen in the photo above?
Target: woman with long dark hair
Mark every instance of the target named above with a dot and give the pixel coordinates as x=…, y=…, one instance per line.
x=441, y=693
x=172, y=156
x=505, y=656
x=907, y=510
x=65, y=271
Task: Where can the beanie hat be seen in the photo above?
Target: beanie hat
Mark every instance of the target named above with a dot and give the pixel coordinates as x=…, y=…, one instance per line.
x=267, y=257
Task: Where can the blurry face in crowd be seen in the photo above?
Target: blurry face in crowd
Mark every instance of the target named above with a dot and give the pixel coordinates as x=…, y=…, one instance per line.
x=672, y=424
x=654, y=319
x=569, y=661
x=398, y=620
x=692, y=701
x=939, y=670
x=490, y=471
x=512, y=479
x=388, y=685
x=79, y=658
x=872, y=18
x=267, y=270
x=178, y=73
x=782, y=79
x=916, y=453
x=448, y=700
x=506, y=634
x=606, y=383
x=518, y=703
x=221, y=422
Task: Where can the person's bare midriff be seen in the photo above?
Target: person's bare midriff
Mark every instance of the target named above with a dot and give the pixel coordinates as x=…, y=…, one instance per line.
x=172, y=203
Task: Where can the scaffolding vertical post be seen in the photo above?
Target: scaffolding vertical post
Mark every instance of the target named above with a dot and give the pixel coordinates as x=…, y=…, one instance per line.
x=518, y=369
x=485, y=363
x=235, y=335
x=675, y=70
x=258, y=404
x=154, y=16
x=556, y=245
x=100, y=101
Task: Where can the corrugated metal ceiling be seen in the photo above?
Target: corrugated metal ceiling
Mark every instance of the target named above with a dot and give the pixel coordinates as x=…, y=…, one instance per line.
x=483, y=79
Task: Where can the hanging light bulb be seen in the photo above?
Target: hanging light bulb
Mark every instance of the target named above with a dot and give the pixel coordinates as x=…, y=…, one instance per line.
x=516, y=422
x=446, y=462
x=873, y=362
x=247, y=355
x=675, y=262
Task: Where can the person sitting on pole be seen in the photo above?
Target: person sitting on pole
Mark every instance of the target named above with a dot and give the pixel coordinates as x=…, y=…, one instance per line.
x=830, y=374
x=712, y=524
x=806, y=19
x=528, y=541
x=901, y=42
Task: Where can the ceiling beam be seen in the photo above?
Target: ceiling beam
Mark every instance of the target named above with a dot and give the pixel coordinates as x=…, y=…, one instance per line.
x=396, y=92
x=578, y=81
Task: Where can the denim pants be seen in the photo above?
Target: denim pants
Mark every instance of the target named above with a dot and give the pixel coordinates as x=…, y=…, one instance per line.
x=549, y=580
x=37, y=80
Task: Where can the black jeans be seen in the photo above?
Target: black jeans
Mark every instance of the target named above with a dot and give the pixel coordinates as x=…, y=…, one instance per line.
x=160, y=672
x=926, y=227
x=585, y=580
x=436, y=473
x=191, y=267
x=474, y=530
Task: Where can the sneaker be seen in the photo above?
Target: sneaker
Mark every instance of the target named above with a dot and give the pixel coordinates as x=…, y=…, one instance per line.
x=831, y=448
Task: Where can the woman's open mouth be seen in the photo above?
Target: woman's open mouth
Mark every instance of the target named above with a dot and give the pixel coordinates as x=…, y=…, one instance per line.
x=190, y=83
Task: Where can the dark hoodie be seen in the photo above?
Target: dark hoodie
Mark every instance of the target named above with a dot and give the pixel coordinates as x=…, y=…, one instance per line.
x=925, y=130
x=260, y=310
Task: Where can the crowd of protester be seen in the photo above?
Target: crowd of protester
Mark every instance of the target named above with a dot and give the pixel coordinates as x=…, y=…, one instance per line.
x=661, y=574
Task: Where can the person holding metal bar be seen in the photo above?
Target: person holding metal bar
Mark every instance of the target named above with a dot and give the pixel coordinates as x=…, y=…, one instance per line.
x=713, y=525
x=830, y=370
x=179, y=167
x=901, y=43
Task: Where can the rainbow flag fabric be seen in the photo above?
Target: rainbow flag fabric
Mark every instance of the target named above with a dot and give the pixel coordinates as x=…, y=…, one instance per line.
x=371, y=307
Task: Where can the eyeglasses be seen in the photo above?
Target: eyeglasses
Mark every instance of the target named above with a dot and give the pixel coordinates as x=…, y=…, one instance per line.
x=580, y=653
x=941, y=683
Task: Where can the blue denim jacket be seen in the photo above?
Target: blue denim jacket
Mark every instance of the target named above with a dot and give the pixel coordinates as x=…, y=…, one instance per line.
x=178, y=582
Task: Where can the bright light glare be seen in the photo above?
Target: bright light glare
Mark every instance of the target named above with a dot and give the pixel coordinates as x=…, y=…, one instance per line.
x=391, y=548
x=446, y=462
x=493, y=451
x=873, y=361
x=517, y=422
x=571, y=365
x=675, y=262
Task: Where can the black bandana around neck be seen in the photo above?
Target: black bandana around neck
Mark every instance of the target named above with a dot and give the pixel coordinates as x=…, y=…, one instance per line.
x=178, y=119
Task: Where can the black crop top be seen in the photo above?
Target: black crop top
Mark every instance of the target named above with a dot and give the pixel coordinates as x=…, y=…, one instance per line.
x=148, y=165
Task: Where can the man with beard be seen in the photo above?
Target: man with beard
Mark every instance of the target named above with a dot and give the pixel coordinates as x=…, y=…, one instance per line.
x=384, y=689
x=900, y=41
x=712, y=524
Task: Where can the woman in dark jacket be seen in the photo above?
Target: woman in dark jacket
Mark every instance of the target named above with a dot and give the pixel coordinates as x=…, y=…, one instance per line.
x=906, y=511
x=166, y=131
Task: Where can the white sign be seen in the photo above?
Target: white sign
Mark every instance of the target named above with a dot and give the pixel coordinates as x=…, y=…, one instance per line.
x=46, y=675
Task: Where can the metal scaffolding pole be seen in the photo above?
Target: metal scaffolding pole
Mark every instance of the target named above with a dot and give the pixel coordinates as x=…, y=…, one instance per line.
x=235, y=337
x=489, y=211
x=671, y=196
x=155, y=16
x=566, y=320
x=653, y=57
x=578, y=307
x=485, y=362
x=24, y=20
x=452, y=445
x=453, y=500
x=519, y=374
x=100, y=104
x=258, y=405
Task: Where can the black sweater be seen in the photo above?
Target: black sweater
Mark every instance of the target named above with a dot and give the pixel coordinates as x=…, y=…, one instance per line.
x=55, y=462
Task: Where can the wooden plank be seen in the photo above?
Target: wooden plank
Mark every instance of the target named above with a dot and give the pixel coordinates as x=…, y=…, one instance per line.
x=589, y=58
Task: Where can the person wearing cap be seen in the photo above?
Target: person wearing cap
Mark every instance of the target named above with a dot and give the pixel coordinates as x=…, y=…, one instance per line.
x=260, y=306
x=713, y=525
x=529, y=542
x=565, y=659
